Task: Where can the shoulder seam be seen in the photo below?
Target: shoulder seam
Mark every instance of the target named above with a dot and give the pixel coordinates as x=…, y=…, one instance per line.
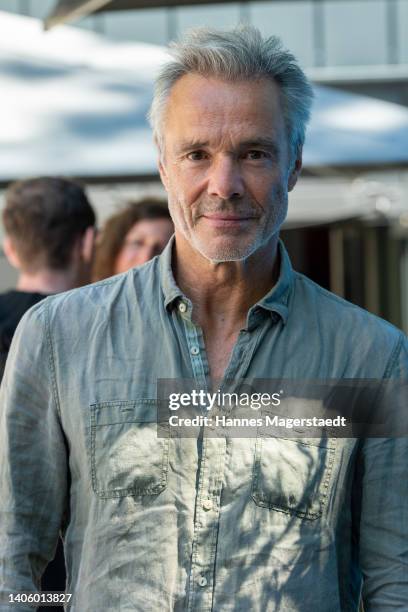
x=346, y=303
x=394, y=356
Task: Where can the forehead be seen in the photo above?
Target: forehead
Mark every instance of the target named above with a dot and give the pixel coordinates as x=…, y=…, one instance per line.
x=200, y=107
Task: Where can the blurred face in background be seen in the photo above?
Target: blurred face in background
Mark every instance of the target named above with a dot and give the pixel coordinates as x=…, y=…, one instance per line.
x=145, y=239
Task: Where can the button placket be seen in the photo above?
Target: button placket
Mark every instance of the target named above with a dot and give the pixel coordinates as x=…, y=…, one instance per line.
x=200, y=591
x=211, y=474
x=207, y=521
x=197, y=357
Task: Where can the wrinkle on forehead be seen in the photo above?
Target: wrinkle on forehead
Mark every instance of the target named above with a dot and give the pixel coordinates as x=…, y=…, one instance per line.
x=203, y=109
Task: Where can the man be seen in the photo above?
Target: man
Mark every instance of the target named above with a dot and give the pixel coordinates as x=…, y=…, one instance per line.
x=204, y=522
x=49, y=234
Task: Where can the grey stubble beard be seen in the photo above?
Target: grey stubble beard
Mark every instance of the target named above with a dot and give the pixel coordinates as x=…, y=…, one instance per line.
x=262, y=236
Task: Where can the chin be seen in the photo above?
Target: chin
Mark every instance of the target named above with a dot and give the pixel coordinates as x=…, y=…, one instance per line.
x=223, y=253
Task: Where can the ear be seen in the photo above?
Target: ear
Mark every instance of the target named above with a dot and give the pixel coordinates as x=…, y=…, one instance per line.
x=161, y=164
x=295, y=170
x=88, y=244
x=163, y=173
x=11, y=253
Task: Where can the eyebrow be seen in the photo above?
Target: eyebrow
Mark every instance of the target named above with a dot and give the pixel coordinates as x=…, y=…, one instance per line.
x=188, y=145
x=266, y=143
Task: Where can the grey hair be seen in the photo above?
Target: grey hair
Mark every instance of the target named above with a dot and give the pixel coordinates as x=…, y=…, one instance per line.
x=238, y=54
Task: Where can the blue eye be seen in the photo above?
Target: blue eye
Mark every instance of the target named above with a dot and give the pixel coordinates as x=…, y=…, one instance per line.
x=197, y=155
x=255, y=154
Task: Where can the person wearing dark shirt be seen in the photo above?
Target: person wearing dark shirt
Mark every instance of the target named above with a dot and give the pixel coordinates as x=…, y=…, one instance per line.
x=49, y=237
x=13, y=304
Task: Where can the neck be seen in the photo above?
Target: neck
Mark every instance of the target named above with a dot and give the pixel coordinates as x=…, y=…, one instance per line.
x=46, y=281
x=225, y=291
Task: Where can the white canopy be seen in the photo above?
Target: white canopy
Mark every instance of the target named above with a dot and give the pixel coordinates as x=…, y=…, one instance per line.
x=75, y=103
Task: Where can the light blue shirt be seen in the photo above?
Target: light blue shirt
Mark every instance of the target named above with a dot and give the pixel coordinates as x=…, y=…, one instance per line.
x=171, y=524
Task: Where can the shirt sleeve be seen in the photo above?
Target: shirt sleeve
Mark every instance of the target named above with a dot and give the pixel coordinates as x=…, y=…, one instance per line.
x=33, y=460
x=383, y=484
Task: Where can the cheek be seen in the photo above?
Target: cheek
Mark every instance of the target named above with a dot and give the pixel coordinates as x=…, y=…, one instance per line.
x=276, y=186
x=270, y=193
x=126, y=260
x=279, y=192
x=262, y=182
x=181, y=201
x=186, y=185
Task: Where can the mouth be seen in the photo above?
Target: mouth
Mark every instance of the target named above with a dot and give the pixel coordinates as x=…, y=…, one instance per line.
x=228, y=220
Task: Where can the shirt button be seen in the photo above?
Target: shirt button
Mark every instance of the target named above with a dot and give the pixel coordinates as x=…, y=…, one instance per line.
x=202, y=581
x=182, y=307
x=194, y=350
x=207, y=504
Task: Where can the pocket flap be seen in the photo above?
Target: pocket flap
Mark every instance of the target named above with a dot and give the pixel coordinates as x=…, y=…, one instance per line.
x=124, y=411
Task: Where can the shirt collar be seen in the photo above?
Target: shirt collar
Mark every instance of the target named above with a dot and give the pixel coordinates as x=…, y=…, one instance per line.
x=275, y=301
x=170, y=289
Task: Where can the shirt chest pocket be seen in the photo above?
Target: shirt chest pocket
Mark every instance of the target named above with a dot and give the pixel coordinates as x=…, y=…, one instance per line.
x=127, y=455
x=293, y=475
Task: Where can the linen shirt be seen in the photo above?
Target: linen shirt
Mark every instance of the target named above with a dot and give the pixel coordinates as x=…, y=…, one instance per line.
x=180, y=524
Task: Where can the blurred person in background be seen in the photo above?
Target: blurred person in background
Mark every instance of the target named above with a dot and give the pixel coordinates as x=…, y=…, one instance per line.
x=132, y=237
x=49, y=237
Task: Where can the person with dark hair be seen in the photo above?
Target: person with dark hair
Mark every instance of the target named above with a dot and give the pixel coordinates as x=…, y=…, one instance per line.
x=49, y=237
x=132, y=237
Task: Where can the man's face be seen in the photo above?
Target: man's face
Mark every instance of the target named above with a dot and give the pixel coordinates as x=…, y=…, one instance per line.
x=226, y=165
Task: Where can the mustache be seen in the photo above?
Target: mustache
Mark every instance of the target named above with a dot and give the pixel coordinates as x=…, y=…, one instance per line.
x=227, y=207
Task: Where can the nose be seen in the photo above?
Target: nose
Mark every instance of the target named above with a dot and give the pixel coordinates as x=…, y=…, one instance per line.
x=225, y=180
